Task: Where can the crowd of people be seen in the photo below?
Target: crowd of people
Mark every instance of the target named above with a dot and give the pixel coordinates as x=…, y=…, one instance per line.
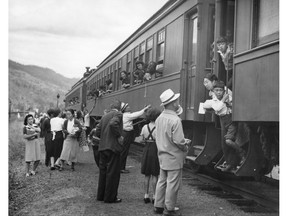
x=165, y=145
x=163, y=156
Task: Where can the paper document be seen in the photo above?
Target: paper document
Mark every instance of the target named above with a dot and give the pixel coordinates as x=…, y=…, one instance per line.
x=201, y=109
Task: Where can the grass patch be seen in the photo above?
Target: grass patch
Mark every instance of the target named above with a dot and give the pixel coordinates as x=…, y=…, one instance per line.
x=16, y=159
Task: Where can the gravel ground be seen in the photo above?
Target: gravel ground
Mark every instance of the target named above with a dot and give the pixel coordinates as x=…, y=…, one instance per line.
x=74, y=193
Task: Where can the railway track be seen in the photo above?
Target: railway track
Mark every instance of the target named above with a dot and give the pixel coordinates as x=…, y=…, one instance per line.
x=247, y=194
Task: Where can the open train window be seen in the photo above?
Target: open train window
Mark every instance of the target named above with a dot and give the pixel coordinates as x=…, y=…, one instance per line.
x=119, y=71
x=266, y=21
x=149, y=52
x=129, y=64
x=160, y=49
x=142, y=51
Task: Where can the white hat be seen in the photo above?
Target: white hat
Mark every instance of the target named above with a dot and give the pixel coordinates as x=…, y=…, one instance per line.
x=168, y=96
x=123, y=106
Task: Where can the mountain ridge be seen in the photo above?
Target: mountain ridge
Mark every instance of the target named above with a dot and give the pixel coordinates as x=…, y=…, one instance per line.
x=33, y=86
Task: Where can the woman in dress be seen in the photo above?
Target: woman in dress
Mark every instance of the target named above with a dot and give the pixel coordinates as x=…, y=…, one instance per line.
x=72, y=129
x=31, y=134
x=57, y=138
x=82, y=139
x=150, y=162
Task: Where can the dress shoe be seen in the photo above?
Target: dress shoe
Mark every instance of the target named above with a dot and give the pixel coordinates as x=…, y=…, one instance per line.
x=171, y=213
x=125, y=171
x=158, y=210
x=52, y=168
x=153, y=200
x=33, y=172
x=147, y=200
x=228, y=168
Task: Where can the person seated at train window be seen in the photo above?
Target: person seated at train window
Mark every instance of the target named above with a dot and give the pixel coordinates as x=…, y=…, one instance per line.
x=225, y=49
x=139, y=72
x=209, y=83
x=222, y=106
x=125, y=79
x=151, y=70
x=109, y=86
x=101, y=90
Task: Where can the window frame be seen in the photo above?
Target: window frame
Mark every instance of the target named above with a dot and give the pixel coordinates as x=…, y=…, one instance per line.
x=256, y=42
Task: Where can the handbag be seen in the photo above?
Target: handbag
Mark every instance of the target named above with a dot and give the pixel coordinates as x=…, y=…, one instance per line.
x=85, y=148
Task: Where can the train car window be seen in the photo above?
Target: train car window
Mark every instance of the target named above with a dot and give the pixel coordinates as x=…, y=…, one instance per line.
x=129, y=65
x=266, y=26
x=160, y=49
x=142, y=51
x=149, y=51
x=118, y=74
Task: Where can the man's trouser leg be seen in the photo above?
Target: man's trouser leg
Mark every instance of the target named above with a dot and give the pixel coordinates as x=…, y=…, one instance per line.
x=128, y=139
x=161, y=189
x=174, y=180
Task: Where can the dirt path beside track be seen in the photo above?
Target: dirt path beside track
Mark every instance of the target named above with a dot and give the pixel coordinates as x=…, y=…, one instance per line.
x=74, y=193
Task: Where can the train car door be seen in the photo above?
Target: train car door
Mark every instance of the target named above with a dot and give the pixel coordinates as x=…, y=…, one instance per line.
x=191, y=64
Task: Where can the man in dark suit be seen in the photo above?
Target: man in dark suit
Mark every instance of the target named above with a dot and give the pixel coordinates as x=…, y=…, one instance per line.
x=109, y=130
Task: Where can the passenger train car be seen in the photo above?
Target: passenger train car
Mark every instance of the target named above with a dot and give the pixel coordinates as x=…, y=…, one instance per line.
x=179, y=38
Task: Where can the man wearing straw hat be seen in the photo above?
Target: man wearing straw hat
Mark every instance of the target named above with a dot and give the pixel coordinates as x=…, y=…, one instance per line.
x=172, y=149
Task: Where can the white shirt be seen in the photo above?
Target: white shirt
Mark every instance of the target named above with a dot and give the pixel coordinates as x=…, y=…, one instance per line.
x=128, y=117
x=70, y=124
x=218, y=106
x=87, y=120
x=57, y=123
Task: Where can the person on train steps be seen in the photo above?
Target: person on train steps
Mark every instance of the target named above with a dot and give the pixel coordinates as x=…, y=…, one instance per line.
x=172, y=150
x=128, y=131
x=225, y=49
x=209, y=83
x=125, y=80
x=222, y=106
x=139, y=72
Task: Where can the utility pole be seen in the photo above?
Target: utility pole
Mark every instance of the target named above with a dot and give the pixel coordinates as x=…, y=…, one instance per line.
x=58, y=96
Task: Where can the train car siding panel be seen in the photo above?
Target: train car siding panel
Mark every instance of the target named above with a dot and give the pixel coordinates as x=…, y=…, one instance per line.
x=174, y=46
x=256, y=89
x=136, y=96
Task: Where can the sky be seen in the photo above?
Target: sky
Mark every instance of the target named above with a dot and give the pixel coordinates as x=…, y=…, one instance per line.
x=68, y=35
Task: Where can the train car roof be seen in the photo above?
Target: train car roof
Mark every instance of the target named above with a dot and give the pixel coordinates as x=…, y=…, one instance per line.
x=154, y=17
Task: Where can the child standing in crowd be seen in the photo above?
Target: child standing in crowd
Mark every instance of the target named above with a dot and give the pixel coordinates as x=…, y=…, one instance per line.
x=150, y=162
x=31, y=134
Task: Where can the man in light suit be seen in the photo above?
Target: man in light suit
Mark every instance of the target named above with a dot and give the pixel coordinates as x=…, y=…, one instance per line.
x=172, y=149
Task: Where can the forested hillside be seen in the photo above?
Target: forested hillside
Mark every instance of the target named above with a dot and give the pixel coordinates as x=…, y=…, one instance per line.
x=36, y=87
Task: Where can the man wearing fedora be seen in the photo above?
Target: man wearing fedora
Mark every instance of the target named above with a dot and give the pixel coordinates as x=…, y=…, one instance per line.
x=172, y=149
x=128, y=131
